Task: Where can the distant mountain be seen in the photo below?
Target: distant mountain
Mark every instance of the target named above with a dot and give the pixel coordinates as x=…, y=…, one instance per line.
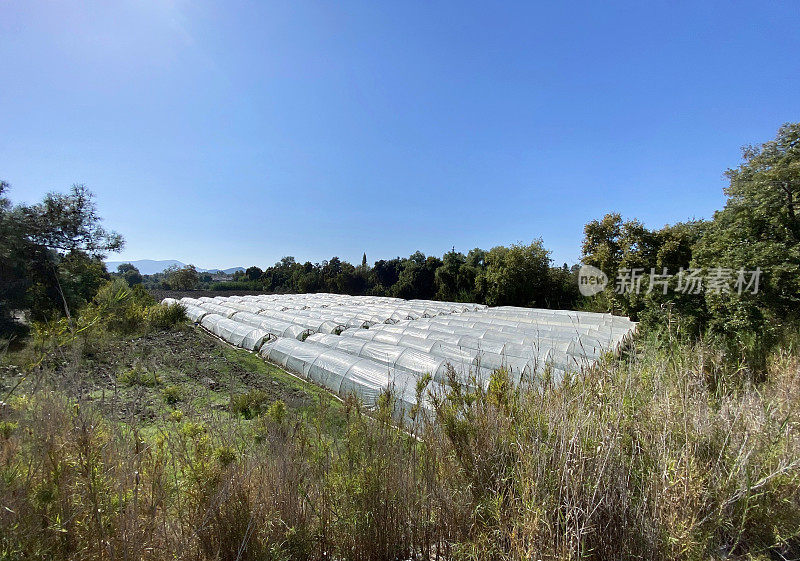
x=151, y=267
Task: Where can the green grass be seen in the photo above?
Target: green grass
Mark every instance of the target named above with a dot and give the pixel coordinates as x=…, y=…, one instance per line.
x=669, y=452
x=140, y=381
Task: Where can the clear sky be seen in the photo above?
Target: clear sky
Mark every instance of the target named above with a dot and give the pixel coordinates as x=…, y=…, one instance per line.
x=232, y=133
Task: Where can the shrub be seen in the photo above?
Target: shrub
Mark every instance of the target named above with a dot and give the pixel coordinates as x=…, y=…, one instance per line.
x=277, y=411
x=138, y=376
x=225, y=455
x=162, y=317
x=654, y=456
x=249, y=405
x=172, y=394
x=7, y=428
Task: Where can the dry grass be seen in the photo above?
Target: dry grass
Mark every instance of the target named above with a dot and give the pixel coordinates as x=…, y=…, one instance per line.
x=643, y=458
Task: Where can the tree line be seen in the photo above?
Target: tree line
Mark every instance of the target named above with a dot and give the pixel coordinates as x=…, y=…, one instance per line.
x=519, y=275
x=51, y=262
x=736, y=274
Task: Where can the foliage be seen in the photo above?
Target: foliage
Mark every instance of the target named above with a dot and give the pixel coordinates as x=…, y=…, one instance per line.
x=115, y=310
x=172, y=394
x=253, y=273
x=130, y=273
x=13, y=264
x=249, y=405
x=613, y=246
x=643, y=458
x=161, y=317
x=50, y=255
x=67, y=223
x=759, y=229
x=138, y=376
x=519, y=275
x=516, y=275
x=182, y=278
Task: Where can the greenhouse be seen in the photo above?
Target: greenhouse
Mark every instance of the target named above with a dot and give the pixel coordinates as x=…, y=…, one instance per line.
x=195, y=313
x=274, y=327
x=410, y=360
x=367, y=344
x=235, y=333
x=344, y=374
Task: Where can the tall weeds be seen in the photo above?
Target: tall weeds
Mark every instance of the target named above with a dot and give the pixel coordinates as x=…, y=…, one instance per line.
x=656, y=456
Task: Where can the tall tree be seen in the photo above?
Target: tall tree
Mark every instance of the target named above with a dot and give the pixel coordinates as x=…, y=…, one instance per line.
x=52, y=252
x=130, y=273
x=759, y=228
x=516, y=275
x=182, y=278
x=253, y=273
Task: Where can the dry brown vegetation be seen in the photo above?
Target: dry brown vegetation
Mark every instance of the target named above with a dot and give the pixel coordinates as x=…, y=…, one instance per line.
x=665, y=454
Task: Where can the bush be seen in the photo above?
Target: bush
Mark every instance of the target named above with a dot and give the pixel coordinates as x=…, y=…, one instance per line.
x=119, y=307
x=172, y=394
x=138, y=376
x=225, y=455
x=654, y=456
x=162, y=317
x=116, y=308
x=249, y=405
x=7, y=428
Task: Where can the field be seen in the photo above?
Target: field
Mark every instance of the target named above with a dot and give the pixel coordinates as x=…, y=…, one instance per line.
x=364, y=346
x=329, y=358
x=159, y=293
x=173, y=444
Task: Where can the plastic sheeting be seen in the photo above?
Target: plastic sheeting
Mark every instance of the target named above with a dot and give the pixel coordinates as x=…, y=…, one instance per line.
x=235, y=333
x=407, y=359
x=216, y=309
x=467, y=359
x=345, y=374
x=195, y=313
x=412, y=337
x=272, y=326
x=313, y=324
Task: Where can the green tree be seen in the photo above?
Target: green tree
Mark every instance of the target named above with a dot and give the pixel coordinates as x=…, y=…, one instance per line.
x=516, y=275
x=51, y=253
x=455, y=278
x=417, y=278
x=253, y=273
x=130, y=273
x=387, y=273
x=625, y=250
x=601, y=243
x=447, y=276
x=758, y=228
x=182, y=278
x=15, y=251
x=562, y=288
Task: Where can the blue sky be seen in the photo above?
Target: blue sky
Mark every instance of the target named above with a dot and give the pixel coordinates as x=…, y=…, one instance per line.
x=227, y=134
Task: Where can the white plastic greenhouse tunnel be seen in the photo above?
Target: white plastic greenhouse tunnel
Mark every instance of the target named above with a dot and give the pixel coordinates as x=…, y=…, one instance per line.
x=367, y=345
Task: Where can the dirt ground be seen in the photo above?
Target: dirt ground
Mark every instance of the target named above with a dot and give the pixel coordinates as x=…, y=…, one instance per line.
x=160, y=294
x=143, y=379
